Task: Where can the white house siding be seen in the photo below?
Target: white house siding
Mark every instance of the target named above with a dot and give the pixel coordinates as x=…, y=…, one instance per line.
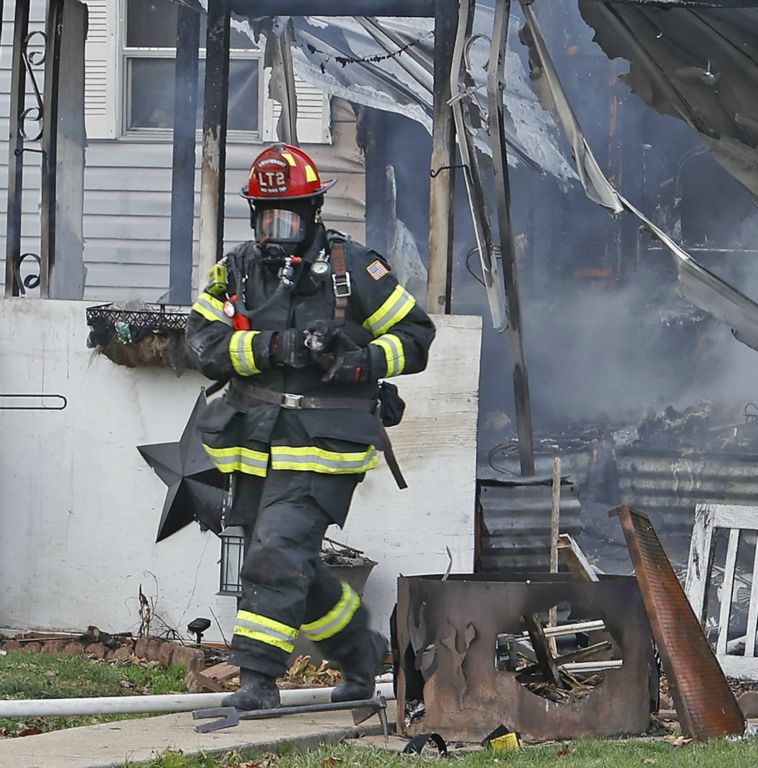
x=80, y=508
x=128, y=194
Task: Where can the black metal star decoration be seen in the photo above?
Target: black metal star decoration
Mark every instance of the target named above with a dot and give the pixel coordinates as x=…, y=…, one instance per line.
x=196, y=489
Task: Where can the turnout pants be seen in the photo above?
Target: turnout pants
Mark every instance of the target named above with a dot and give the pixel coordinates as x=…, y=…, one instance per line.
x=286, y=588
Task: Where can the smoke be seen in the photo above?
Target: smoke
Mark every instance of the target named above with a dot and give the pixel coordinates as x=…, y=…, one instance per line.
x=607, y=336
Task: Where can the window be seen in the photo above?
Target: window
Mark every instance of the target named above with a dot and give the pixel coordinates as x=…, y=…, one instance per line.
x=129, y=78
x=148, y=67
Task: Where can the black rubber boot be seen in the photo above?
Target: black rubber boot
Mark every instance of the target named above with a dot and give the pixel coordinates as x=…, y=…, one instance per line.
x=256, y=691
x=360, y=667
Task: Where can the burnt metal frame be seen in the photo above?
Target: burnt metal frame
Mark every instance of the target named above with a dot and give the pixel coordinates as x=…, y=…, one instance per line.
x=446, y=638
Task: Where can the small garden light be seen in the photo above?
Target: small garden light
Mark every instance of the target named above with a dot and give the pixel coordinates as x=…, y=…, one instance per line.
x=198, y=626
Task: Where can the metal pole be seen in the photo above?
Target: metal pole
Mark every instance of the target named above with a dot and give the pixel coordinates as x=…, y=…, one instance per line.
x=495, y=92
x=442, y=185
x=179, y=702
x=555, y=511
x=214, y=136
x=16, y=149
x=183, y=163
x=50, y=144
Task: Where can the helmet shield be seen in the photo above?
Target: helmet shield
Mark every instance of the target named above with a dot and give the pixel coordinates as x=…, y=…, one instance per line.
x=280, y=225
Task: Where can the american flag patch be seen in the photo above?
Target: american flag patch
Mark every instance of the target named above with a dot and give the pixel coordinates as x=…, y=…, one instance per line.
x=377, y=270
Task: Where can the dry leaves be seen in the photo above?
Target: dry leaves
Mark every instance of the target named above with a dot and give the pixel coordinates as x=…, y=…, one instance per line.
x=302, y=672
x=565, y=750
x=330, y=762
x=268, y=761
x=677, y=741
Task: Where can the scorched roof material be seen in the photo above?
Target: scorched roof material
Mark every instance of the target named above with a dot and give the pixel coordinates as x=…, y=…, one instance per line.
x=698, y=285
x=697, y=63
x=387, y=64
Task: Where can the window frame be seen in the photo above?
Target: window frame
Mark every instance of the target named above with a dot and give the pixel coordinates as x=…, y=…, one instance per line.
x=166, y=134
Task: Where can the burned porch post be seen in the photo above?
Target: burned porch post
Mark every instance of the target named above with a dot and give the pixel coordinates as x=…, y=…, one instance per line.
x=495, y=92
x=183, y=170
x=442, y=183
x=63, y=274
x=214, y=136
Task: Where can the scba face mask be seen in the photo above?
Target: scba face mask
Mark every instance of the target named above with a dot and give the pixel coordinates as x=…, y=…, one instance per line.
x=280, y=225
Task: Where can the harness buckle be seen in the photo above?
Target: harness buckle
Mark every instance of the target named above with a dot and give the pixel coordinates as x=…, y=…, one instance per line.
x=290, y=401
x=342, y=286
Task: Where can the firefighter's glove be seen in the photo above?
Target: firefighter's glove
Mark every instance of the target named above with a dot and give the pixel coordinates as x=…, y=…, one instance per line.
x=346, y=366
x=288, y=349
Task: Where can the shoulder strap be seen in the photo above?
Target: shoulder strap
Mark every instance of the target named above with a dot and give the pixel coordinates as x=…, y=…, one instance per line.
x=340, y=280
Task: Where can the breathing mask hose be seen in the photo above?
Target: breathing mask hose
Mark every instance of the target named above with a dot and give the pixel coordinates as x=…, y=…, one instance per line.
x=251, y=314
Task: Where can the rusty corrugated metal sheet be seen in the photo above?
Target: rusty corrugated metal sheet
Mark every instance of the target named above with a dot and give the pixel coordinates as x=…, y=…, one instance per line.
x=668, y=484
x=515, y=519
x=705, y=704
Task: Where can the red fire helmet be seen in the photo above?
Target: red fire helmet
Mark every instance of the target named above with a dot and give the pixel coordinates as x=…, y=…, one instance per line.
x=283, y=172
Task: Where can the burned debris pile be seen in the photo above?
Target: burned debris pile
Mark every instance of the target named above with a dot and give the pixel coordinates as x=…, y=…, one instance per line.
x=562, y=663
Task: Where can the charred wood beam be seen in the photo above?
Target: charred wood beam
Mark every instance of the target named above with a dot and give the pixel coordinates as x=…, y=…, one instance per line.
x=216, y=99
x=575, y=559
x=420, y=8
x=183, y=163
x=442, y=185
x=495, y=93
x=13, y=286
x=542, y=650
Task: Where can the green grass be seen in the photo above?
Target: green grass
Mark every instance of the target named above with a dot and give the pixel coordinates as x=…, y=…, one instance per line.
x=577, y=754
x=48, y=676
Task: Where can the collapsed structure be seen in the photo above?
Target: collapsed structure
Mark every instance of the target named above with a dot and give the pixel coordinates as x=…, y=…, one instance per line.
x=492, y=139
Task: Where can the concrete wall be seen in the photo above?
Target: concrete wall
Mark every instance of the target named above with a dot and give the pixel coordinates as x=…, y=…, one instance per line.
x=79, y=507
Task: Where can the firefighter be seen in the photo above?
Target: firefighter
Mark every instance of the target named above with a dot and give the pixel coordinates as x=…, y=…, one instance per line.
x=303, y=322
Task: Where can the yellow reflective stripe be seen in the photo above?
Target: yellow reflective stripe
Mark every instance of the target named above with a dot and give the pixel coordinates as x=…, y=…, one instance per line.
x=211, y=309
x=312, y=459
x=288, y=157
x=238, y=459
x=310, y=174
x=337, y=619
x=265, y=622
x=394, y=309
x=265, y=638
x=394, y=353
x=241, y=352
x=265, y=630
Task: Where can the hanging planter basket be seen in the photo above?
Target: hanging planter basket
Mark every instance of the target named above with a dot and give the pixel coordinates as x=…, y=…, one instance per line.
x=140, y=335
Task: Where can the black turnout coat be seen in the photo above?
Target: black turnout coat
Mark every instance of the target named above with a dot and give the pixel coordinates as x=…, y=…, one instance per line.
x=246, y=434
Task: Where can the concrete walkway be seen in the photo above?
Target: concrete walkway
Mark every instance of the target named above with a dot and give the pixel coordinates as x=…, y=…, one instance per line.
x=111, y=744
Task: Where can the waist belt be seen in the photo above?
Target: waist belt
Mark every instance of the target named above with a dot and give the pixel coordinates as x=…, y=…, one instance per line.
x=298, y=402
